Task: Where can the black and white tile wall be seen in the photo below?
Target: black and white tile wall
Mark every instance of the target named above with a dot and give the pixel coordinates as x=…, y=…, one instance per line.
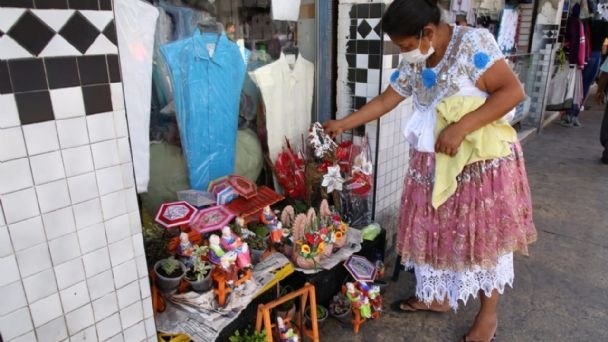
x=71, y=249
x=366, y=59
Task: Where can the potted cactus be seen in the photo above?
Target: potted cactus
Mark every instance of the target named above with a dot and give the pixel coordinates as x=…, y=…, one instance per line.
x=169, y=273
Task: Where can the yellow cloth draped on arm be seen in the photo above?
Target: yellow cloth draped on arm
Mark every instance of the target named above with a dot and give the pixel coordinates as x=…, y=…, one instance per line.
x=488, y=142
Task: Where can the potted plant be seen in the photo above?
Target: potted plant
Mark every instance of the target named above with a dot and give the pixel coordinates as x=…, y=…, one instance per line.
x=199, y=273
x=169, y=273
x=248, y=336
x=321, y=316
x=340, y=308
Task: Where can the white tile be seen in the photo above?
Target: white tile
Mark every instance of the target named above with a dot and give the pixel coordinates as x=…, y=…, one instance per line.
x=128, y=295
x=86, y=335
x=124, y=150
x=53, y=196
x=135, y=222
x=2, y=221
x=138, y=244
x=67, y=102
x=28, y=337
x=77, y=160
x=131, y=199
x=101, y=127
x=105, y=306
x=16, y=175
x=46, y=309
x=362, y=61
x=119, y=338
x=118, y=101
x=92, y=238
x=113, y=205
x=373, y=76
x=83, y=187
x=10, y=114
x=96, y=262
x=69, y=273
x=9, y=270
x=27, y=233
x=105, y=154
x=64, y=248
x=118, y=228
x=142, y=266
x=47, y=167
x=15, y=324
x=75, y=296
x=58, y=46
x=108, y=327
x=20, y=205
x=79, y=319
x=6, y=247
x=148, y=309
x=120, y=123
x=59, y=222
x=150, y=327
x=121, y=251
x=33, y=260
x=109, y=179
x=13, y=145
x=53, y=331
x=14, y=298
x=128, y=179
x=101, y=284
x=144, y=287
x=131, y=315
x=87, y=213
x=72, y=132
x=41, y=137
x=40, y=285
x=136, y=332
x=125, y=273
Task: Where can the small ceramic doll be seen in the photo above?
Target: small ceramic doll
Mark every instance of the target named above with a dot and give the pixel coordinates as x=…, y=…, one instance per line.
x=231, y=242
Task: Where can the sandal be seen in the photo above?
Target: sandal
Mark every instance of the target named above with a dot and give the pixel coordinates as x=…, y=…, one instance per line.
x=464, y=339
x=409, y=305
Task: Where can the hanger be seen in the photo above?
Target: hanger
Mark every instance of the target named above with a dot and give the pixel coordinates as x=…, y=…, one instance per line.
x=210, y=25
x=290, y=49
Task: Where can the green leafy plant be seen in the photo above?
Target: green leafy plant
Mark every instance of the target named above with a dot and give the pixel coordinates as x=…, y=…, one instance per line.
x=247, y=336
x=200, y=268
x=170, y=265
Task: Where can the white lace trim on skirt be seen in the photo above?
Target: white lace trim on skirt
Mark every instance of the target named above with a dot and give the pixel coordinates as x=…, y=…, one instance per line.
x=433, y=283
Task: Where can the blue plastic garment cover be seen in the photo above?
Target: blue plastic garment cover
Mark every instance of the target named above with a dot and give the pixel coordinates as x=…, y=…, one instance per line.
x=207, y=72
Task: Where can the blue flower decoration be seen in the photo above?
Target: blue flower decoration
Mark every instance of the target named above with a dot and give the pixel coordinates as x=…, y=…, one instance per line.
x=480, y=60
x=429, y=78
x=394, y=76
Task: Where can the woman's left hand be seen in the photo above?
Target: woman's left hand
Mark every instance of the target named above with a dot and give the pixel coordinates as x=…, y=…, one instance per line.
x=449, y=140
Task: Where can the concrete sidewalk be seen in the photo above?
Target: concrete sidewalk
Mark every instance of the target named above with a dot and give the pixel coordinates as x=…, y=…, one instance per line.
x=561, y=290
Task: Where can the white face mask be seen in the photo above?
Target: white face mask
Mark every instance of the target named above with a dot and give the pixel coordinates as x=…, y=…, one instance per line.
x=416, y=56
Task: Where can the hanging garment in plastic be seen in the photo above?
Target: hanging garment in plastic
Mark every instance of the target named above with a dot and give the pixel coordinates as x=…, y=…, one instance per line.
x=287, y=95
x=135, y=26
x=207, y=72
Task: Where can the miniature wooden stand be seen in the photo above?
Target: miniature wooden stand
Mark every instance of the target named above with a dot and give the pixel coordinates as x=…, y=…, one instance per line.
x=306, y=293
x=221, y=288
x=357, y=319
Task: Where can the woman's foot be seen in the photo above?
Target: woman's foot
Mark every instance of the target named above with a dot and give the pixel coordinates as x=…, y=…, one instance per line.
x=414, y=304
x=483, y=329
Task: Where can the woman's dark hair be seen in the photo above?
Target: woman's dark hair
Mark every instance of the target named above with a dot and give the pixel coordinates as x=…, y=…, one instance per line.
x=406, y=18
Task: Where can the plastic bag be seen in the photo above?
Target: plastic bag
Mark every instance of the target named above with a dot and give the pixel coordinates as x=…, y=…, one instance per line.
x=356, y=198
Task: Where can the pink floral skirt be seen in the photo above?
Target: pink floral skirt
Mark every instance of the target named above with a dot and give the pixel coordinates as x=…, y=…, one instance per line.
x=489, y=215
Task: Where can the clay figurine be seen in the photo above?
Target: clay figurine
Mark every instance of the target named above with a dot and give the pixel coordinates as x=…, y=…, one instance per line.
x=231, y=242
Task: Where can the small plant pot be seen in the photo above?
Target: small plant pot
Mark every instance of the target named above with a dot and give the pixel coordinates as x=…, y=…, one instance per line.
x=202, y=285
x=341, y=309
x=322, y=315
x=168, y=283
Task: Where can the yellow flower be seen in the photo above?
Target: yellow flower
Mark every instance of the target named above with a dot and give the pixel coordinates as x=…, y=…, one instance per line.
x=305, y=249
x=321, y=247
x=343, y=227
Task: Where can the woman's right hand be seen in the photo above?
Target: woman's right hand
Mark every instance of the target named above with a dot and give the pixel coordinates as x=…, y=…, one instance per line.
x=333, y=127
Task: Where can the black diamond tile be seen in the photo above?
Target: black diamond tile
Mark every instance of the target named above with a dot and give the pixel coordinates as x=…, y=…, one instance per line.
x=34, y=107
x=17, y=3
x=352, y=74
x=362, y=46
x=5, y=81
x=93, y=69
x=110, y=32
x=375, y=47
x=378, y=29
x=97, y=98
x=84, y=4
x=360, y=101
x=62, y=72
x=362, y=11
x=51, y=4
x=361, y=75
x=375, y=10
x=113, y=68
x=79, y=32
x=105, y=4
x=351, y=60
x=27, y=74
x=364, y=29
x=31, y=33
x=373, y=61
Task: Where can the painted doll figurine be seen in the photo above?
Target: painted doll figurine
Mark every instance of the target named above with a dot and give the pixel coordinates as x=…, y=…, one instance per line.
x=375, y=298
x=185, y=247
x=365, y=308
x=215, y=250
x=240, y=223
x=268, y=218
x=231, y=242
